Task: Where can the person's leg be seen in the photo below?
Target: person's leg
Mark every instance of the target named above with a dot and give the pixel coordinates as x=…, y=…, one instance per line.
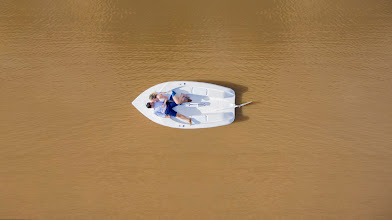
x=178, y=100
x=170, y=110
x=172, y=105
x=181, y=99
x=184, y=118
x=171, y=96
x=185, y=97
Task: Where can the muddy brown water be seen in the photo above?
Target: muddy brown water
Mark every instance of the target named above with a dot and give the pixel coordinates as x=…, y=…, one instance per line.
x=315, y=144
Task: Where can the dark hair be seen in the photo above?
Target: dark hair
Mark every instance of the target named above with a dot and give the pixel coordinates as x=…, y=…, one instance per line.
x=148, y=105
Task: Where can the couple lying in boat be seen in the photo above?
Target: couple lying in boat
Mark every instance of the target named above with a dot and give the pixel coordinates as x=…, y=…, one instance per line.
x=163, y=104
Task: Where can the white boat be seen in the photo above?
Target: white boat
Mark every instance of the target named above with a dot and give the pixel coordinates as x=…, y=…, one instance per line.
x=211, y=105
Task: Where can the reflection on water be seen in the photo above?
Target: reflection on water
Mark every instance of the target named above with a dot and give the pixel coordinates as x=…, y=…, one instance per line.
x=315, y=142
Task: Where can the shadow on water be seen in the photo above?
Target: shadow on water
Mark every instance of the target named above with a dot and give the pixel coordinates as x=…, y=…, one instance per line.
x=239, y=91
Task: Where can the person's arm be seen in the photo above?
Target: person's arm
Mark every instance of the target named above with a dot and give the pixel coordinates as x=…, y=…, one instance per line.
x=162, y=96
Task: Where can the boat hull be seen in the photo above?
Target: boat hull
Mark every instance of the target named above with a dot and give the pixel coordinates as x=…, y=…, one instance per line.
x=212, y=105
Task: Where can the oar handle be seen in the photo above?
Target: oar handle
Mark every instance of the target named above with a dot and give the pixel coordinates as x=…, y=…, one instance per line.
x=239, y=106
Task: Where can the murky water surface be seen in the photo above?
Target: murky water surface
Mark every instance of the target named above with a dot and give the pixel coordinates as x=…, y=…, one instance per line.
x=315, y=144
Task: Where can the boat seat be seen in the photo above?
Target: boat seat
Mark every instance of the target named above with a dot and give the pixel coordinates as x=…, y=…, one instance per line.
x=214, y=117
x=199, y=91
x=216, y=93
x=200, y=118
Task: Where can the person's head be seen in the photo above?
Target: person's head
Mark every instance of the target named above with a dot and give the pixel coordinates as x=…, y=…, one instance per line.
x=150, y=105
x=153, y=96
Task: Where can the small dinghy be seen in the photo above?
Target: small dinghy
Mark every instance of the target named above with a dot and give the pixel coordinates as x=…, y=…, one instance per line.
x=211, y=105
